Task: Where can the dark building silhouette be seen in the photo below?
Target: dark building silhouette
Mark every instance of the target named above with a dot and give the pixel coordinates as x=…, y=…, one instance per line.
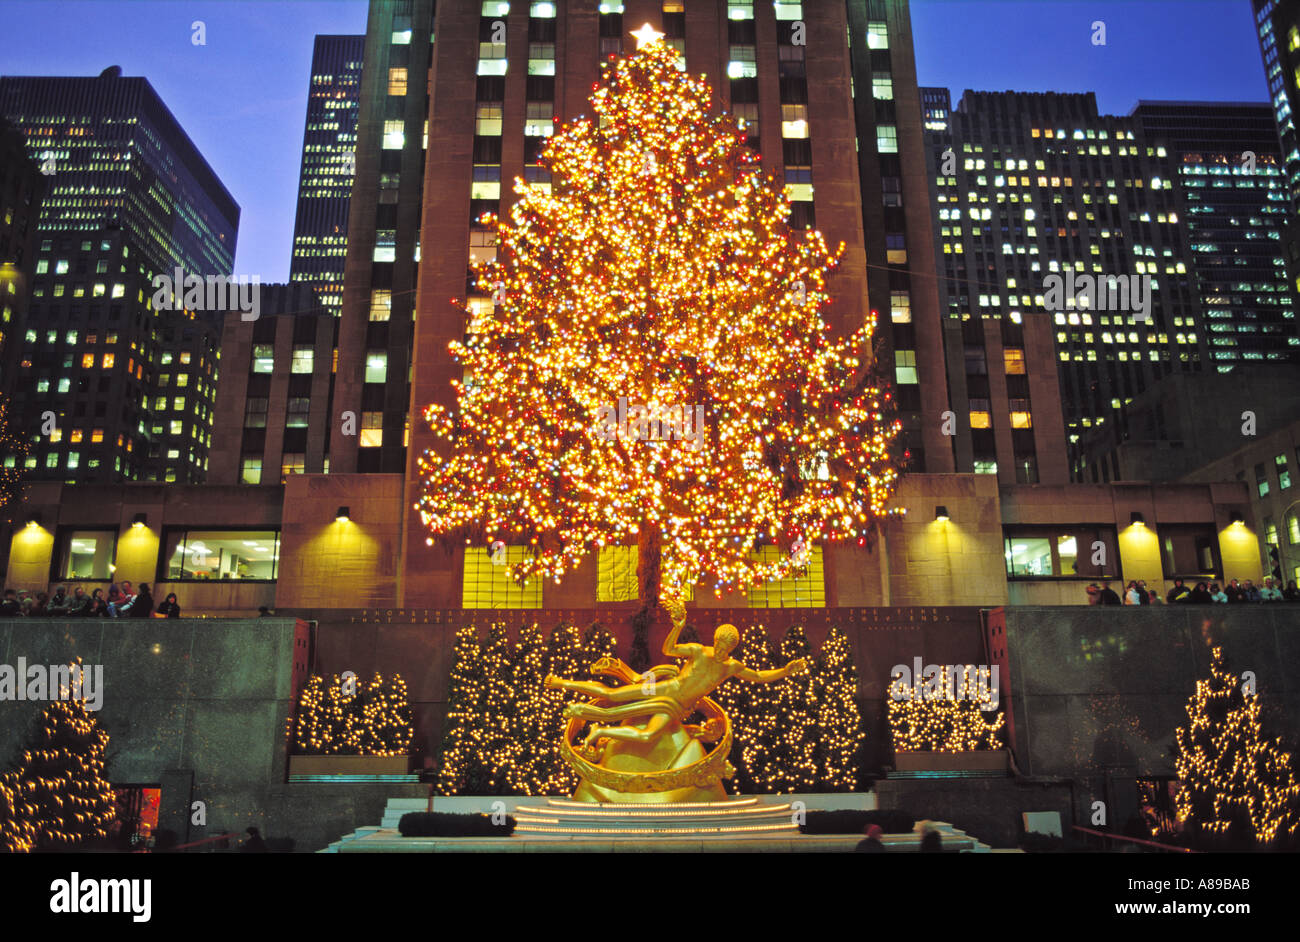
x=1032, y=189
x=320, y=234
x=22, y=187
x=1235, y=204
x=130, y=387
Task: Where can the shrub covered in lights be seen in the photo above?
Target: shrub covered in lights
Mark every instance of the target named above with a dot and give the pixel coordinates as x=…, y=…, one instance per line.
x=354, y=719
x=504, y=726
x=941, y=716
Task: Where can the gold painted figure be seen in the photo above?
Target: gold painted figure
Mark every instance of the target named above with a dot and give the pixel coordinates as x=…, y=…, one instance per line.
x=638, y=747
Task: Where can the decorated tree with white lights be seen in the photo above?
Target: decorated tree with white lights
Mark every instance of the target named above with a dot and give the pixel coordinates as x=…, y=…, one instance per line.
x=945, y=714
x=59, y=789
x=657, y=280
x=840, y=735
x=1237, y=786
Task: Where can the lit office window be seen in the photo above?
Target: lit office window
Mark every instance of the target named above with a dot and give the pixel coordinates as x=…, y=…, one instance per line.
x=900, y=307
x=372, y=429
x=377, y=366
x=487, y=121
x=905, y=367
x=804, y=588
x=263, y=358
x=541, y=58
x=487, y=582
x=221, y=555
x=616, y=574
x=250, y=471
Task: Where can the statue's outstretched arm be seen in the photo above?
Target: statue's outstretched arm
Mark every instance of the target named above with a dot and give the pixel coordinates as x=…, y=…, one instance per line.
x=797, y=666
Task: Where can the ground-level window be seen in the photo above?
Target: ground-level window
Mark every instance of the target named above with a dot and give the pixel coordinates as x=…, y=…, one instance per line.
x=202, y=555
x=86, y=554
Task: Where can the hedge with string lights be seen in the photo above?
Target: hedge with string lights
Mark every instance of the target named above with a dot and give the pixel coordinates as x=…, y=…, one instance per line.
x=353, y=719
x=503, y=726
x=942, y=716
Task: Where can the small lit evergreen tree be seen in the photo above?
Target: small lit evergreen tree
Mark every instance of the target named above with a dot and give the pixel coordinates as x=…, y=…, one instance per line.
x=840, y=735
x=461, y=770
x=68, y=801
x=529, y=727
x=794, y=707
x=17, y=833
x=1238, y=786
x=936, y=717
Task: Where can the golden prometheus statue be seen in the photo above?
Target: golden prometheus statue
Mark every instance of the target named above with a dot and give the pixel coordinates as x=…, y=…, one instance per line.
x=640, y=747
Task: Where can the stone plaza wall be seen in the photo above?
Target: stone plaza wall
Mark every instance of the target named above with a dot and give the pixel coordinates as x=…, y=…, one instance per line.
x=199, y=707
x=1097, y=693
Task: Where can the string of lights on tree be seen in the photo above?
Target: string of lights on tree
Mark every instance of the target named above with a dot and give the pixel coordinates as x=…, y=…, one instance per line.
x=58, y=798
x=14, y=448
x=658, y=266
x=1236, y=784
x=942, y=716
x=353, y=719
x=839, y=719
x=504, y=726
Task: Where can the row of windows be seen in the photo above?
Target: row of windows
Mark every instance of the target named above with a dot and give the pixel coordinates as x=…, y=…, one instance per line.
x=186, y=555
x=1186, y=551
x=487, y=582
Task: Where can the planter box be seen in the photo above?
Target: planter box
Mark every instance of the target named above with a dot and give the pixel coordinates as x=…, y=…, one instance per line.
x=349, y=765
x=990, y=760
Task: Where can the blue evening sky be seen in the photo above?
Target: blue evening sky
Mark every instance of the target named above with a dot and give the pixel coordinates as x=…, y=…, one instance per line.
x=242, y=97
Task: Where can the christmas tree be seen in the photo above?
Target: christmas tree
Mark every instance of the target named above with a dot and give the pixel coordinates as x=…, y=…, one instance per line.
x=353, y=719
x=794, y=710
x=17, y=833
x=460, y=769
x=597, y=642
x=500, y=750
x=1237, y=786
x=13, y=448
x=531, y=719
x=839, y=721
x=564, y=657
x=943, y=715
x=60, y=778
x=386, y=722
x=653, y=367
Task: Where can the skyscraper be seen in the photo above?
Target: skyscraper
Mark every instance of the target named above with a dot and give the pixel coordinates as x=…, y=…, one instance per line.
x=1236, y=209
x=22, y=187
x=130, y=389
x=320, y=233
x=1277, y=24
x=1063, y=255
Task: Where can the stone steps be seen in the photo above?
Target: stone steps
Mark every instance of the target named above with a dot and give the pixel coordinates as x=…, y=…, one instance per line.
x=757, y=823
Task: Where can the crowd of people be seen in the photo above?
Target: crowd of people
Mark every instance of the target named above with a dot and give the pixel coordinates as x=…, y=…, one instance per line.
x=1204, y=593
x=122, y=601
